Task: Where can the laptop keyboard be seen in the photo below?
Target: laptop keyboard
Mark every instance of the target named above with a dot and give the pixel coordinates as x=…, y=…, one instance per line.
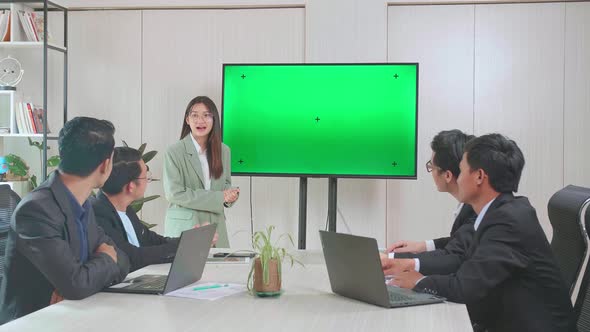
x=395, y=297
x=156, y=283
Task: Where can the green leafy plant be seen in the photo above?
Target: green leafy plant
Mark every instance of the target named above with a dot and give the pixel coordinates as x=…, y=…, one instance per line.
x=266, y=251
x=17, y=166
x=52, y=161
x=137, y=205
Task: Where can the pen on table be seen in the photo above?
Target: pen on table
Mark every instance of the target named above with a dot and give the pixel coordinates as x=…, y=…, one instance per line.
x=209, y=287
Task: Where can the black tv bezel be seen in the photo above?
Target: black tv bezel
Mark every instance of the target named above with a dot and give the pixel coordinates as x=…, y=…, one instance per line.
x=314, y=175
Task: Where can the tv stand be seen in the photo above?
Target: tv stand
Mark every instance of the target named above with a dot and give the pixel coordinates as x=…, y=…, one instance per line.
x=332, y=208
x=332, y=203
x=302, y=213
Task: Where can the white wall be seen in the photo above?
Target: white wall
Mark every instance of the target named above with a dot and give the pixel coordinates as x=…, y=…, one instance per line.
x=521, y=70
x=105, y=70
x=577, y=95
x=519, y=85
x=445, y=102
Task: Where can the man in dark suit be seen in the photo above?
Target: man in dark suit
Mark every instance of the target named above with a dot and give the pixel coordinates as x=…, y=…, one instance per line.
x=55, y=250
x=440, y=255
x=114, y=214
x=112, y=207
x=508, y=278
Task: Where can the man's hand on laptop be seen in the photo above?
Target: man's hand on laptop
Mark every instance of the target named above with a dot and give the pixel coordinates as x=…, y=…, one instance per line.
x=215, y=237
x=414, y=247
x=394, y=266
x=107, y=249
x=406, y=279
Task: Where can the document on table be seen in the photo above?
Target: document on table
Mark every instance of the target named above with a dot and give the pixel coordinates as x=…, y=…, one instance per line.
x=228, y=260
x=208, y=291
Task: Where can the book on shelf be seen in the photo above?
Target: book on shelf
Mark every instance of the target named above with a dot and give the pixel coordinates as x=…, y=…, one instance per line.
x=27, y=128
x=19, y=123
x=38, y=118
x=5, y=25
x=29, y=118
x=20, y=119
x=39, y=24
x=33, y=24
x=26, y=25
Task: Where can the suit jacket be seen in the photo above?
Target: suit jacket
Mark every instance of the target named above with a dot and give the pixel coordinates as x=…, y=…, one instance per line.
x=154, y=248
x=183, y=186
x=42, y=254
x=466, y=215
x=447, y=260
x=509, y=278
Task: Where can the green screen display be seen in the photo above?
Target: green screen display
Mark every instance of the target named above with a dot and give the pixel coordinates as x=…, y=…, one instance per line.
x=340, y=120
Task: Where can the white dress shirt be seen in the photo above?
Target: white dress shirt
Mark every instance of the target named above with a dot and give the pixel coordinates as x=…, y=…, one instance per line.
x=204, y=164
x=480, y=216
x=482, y=213
x=129, y=230
x=430, y=243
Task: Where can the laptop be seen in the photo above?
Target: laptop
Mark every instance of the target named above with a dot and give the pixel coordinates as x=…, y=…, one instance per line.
x=354, y=269
x=187, y=267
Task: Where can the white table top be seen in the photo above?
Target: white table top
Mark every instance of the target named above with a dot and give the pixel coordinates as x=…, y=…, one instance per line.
x=307, y=304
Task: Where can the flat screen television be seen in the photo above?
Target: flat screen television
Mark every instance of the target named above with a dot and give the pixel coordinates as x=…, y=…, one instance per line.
x=321, y=120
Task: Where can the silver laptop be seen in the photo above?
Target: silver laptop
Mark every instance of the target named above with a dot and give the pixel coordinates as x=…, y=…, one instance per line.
x=354, y=268
x=187, y=267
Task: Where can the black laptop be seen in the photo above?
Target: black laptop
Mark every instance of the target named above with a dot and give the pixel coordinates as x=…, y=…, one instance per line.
x=354, y=268
x=187, y=267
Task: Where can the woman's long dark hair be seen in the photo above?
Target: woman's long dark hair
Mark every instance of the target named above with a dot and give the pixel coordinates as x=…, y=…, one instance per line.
x=214, y=139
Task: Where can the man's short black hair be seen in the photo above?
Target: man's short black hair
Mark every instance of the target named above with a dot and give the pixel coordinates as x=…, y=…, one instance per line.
x=448, y=148
x=84, y=143
x=500, y=158
x=126, y=168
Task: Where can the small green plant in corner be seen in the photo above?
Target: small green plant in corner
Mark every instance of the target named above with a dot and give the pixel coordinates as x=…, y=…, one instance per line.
x=265, y=277
x=17, y=168
x=138, y=204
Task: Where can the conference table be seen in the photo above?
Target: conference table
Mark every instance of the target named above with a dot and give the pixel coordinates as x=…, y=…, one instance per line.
x=307, y=304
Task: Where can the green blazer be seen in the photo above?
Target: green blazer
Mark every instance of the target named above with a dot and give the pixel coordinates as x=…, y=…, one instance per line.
x=189, y=203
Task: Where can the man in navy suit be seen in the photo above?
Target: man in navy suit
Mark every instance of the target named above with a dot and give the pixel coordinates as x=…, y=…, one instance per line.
x=55, y=249
x=508, y=278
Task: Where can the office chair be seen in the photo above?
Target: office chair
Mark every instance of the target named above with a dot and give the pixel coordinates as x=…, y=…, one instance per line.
x=569, y=243
x=8, y=201
x=582, y=304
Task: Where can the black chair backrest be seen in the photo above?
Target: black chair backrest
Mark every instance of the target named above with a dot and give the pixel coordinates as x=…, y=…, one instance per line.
x=582, y=305
x=8, y=202
x=569, y=243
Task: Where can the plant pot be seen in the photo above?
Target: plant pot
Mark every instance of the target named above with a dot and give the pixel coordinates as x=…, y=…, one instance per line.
x=10, y=177
x=273, y=286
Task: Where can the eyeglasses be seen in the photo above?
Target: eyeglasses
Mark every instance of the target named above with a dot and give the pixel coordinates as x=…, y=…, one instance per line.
x=194, y=116
x=148, y=177
x=429, y=166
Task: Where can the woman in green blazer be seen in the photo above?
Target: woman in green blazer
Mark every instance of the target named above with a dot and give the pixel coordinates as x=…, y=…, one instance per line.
x=197, y=173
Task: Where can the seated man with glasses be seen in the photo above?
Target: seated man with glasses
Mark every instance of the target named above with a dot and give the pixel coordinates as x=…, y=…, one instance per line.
x=442, y=255
x=508, y=277
x=112, y=207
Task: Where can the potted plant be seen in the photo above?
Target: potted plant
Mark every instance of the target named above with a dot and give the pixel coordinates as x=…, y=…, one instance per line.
x=137, y=205
x=265, y=278
x=17, y=173
x=18, y=170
